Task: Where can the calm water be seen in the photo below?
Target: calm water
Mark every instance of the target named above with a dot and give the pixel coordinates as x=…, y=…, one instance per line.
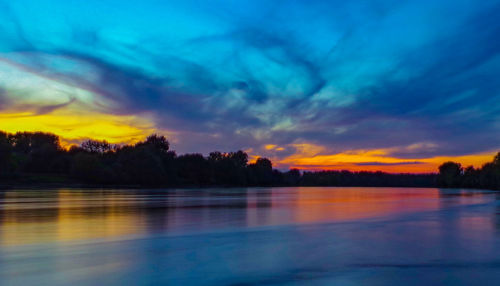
x=256, y=236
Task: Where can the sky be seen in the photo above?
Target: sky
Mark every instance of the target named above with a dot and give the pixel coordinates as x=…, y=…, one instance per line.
x=397, y=86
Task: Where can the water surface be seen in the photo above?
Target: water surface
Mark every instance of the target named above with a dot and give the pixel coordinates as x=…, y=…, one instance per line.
x=254, y=236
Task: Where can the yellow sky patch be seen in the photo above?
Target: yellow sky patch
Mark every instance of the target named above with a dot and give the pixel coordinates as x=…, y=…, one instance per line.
x=73, y=125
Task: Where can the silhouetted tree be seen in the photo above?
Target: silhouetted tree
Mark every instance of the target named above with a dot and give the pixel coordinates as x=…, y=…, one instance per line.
x=37, y=152
x=450, y=174
x=140, y=165
x=98, y=147
x=496, y=159
x=490, y=175
x=486, y=177
x=261, y=172
x=228, y=168
x=193, y=169
x=470, y=178
x=90, y=169
x=292, y=177
x=6, y=163
x=155, y=142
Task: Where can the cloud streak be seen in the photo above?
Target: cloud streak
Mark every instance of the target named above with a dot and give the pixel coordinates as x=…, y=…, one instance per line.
x=388, y=164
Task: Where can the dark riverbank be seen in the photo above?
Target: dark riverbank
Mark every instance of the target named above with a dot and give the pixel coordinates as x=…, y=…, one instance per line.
x=332, y=179
x=30, y=159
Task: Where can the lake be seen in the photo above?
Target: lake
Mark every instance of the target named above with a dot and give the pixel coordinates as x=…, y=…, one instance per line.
x=250, y=236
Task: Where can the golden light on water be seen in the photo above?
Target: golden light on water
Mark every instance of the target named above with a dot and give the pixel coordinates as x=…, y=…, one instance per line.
x=65, y=216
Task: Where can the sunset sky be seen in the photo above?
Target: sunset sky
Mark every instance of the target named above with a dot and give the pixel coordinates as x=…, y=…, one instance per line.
x=398, y=86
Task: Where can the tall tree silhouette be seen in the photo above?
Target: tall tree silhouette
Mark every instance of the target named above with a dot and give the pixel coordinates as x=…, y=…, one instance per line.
x=450, y=174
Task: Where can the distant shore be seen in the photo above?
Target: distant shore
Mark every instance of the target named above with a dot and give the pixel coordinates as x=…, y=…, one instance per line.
x=52, y=181
x=37, y=158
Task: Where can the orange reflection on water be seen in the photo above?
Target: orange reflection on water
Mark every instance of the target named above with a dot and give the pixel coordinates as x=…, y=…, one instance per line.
x=342, y=204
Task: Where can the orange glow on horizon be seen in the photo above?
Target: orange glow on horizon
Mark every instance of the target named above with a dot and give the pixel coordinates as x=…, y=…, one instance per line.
x=314, y=158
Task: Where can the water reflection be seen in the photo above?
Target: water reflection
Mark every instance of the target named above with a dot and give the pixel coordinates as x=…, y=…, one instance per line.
x=310, y=236
x=28, y=217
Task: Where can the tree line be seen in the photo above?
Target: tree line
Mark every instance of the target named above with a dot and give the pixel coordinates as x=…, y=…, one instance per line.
x=453, y=175
x=41, y=158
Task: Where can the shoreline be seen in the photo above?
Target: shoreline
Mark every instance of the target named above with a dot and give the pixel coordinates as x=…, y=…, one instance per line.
x=53, y=186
